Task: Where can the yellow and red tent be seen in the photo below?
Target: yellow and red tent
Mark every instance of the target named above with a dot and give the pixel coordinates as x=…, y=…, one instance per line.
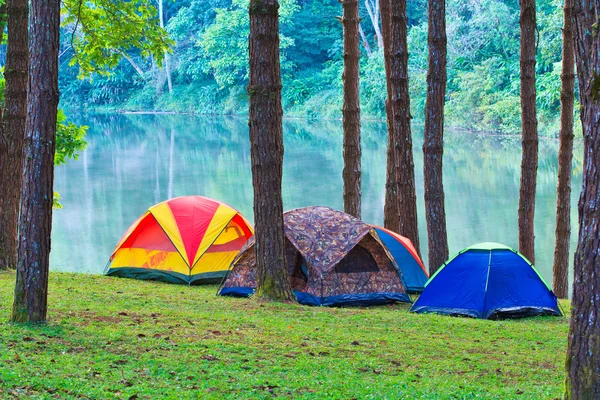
x=188, y=240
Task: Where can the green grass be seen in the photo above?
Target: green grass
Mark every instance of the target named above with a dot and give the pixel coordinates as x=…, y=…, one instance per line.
x=127, y=339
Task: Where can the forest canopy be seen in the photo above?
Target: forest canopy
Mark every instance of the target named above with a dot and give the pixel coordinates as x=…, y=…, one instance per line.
x=208, y=63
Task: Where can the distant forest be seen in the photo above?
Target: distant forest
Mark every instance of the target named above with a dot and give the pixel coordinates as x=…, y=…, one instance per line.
x=209, y=63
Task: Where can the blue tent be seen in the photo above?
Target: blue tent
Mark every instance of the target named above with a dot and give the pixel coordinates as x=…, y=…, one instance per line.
x=407, y=259
x=488, y=281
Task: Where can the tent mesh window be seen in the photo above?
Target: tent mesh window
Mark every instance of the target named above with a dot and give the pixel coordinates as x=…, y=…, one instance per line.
x=377, y=275
x=358, y=260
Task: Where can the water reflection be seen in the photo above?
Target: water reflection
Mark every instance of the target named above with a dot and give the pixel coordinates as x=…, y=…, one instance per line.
x=135, y=161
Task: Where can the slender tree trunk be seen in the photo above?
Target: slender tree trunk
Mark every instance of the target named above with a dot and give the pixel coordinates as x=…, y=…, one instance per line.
x=35, y=220
x=399, y=102
x=373, y=7
x=433, y=144
x=161, y=15
x=134, y=65
x=365, y=41
x=391, y=217
x=12, y=130
x=560, y=269
x=583, y=355
x=266, y=150
x=351, y=109
x=529, y=163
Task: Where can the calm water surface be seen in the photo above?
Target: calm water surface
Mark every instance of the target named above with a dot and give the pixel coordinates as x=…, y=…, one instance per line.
x=135, y=161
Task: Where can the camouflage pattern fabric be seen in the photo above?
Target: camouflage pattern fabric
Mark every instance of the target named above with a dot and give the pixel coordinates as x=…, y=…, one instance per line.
x=328, y=253
x=323, y=235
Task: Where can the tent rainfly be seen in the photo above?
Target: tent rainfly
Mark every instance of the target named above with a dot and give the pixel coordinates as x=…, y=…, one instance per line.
x=187, y=240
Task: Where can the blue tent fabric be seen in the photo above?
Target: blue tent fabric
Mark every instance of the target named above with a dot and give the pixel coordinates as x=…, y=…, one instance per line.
x=491, y=284
x=412, y=273
x=351, y=300
x=359, y=299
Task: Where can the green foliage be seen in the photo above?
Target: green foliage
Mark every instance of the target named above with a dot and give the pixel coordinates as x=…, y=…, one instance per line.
x=225, y=42
x=69, y=142
x=210, y=60
x=56, y=201
x=102, y=31
x=69, y=139
x=140, y=339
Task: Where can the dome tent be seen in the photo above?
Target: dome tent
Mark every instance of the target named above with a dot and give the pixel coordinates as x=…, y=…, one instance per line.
x=489, y=281
x=413, y=271
x=188, y=240
x=333, y=259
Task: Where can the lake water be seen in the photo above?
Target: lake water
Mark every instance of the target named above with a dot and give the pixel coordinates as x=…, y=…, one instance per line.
x=135, y=161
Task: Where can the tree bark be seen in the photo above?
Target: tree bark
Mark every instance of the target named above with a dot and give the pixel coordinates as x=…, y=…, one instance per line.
x=351, y=109
x=12, y=129
x=560, y=280
x=161, y=15
x=529, y=163
x=391, y=217
x=398, y=107
x=35, y=220
x=433, y=144
x=266, y=151
x=583, y=355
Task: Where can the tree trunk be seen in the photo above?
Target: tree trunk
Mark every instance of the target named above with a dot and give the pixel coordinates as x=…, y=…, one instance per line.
x=433, y=143
x=133, y=64
x=161, y=15
x=373, y=7
x=12, y=130
x=560, y=281
x=529, y=163
x=399, y=105
x=351, y=109
x=583, y=355
x=365, y=41
x=35, y=220
x=391, y=217
x=266, y=151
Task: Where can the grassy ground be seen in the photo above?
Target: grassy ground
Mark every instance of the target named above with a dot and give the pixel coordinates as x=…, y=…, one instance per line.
x=126, y=339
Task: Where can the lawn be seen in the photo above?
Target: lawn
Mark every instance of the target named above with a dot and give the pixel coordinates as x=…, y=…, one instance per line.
x=126, y=339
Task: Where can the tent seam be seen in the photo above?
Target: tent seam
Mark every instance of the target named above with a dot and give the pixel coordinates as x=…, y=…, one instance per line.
x=487, y=280
x=168, y=237
x=211, y=243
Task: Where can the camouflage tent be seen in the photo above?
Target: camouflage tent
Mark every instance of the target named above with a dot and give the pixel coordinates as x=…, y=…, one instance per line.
x=333, y=259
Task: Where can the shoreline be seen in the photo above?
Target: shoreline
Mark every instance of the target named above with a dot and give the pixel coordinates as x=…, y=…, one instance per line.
x=296, y=118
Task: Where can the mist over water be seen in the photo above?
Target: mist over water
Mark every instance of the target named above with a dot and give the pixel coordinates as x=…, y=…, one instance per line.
x=135, y=161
